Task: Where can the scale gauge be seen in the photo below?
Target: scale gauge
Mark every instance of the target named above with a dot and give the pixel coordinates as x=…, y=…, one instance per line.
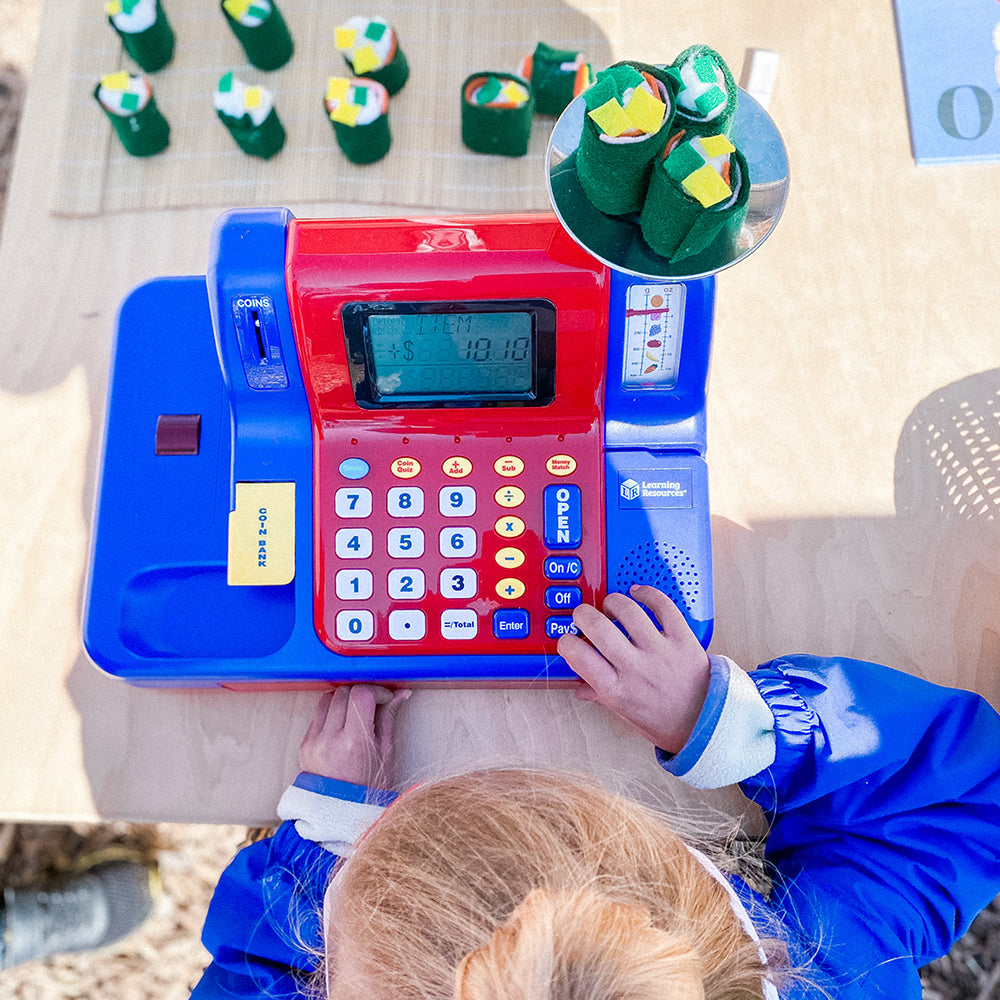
x=654, y=318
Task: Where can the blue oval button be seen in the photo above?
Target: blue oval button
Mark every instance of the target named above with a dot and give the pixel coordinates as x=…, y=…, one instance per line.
x=354, y=468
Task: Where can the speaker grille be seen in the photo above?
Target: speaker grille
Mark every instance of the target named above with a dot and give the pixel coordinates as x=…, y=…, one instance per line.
x=664, y=566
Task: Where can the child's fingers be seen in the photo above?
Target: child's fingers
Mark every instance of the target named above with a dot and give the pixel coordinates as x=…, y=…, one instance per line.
x=385, y=720
x=319, y=718
x=641, y=628
x=592, y=666
x=602, y=633
x=670, y=617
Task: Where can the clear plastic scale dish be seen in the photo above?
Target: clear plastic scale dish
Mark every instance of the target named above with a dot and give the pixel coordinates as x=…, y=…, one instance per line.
x=617, y=241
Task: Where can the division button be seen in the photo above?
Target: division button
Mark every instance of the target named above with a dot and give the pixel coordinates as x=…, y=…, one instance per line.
x=509, y=496
x=456, y=467
x=355, y=626
x=510, y=588
x=462, y=623
x=509, y=526
x=561, y=465
x=511, y=623
x=508, y=466
x=354, y=468
x=408, y=624
x=404, y=468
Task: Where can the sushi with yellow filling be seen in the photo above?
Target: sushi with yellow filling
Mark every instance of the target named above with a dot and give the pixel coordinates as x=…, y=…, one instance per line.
x=358, y=110
x=370, y=47
x=496, y=113
x=127, y=101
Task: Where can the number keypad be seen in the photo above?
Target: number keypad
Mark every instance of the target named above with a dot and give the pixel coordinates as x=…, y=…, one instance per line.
x=456, y=553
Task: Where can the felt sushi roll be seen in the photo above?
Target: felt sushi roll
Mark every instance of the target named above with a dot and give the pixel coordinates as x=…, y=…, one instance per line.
x=629, y=111
x=261, y=30
x=248, y=112
x=370, y=47
x=697, y=200
x=358, y=110
x=496, y=113
x=707, y=94
x=129, y=104
x=144, y=31
x=557, y=76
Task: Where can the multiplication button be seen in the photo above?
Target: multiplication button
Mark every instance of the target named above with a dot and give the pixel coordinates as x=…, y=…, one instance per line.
x=509, y=526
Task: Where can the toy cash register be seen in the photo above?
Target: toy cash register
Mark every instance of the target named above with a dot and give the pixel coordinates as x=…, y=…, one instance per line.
x=396, y=451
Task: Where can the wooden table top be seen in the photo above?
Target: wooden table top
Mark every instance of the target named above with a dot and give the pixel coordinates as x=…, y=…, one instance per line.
x=853, y=445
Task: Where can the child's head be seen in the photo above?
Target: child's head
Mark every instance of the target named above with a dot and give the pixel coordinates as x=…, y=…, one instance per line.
x=525, y=885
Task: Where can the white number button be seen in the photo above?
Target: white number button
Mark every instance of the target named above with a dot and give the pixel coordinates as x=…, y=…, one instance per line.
x=406, y=501
x=407, y=624
x=457, y=543
x=458, y=584
x=353, y=543
x=406, y=584
x=405, y=543
x=354, y=584
x=355, y=626
x=457, y=501
x=353, y=501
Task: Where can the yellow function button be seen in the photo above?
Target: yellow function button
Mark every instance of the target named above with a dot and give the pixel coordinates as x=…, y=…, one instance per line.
x=262, y=535
x=510, y=588
x=509, y=557
x=509, y=526
x=509, y=496
x=561, y=465
x=508, y=466
x=405, y=468
x=456, y=467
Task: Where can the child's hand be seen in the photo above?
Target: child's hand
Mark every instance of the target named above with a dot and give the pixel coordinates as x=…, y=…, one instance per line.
x=351, y=735
x=657, y=681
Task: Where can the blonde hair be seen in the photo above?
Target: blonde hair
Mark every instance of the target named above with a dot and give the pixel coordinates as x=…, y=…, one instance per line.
x=530, y=885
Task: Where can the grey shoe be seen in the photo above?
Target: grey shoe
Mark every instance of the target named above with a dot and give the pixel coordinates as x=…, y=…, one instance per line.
x=89, y=910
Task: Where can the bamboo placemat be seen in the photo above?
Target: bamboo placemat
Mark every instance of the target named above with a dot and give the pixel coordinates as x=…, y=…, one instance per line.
x=427, y=166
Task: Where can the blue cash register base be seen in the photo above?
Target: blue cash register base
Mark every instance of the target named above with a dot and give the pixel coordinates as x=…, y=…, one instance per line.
x=395, y=451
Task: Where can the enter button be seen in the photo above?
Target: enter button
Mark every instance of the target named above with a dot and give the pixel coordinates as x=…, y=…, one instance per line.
x=511, y=623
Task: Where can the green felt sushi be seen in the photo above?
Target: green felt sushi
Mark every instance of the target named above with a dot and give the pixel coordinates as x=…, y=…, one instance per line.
x=358, y=110
x=697, y=201
x=144, y=31
x=248, y=113
x=496, y=113
x=129, y=104
x=707, y=94
x=370, y=47
x=557, y=76
x=261, y=30
x=629, y=113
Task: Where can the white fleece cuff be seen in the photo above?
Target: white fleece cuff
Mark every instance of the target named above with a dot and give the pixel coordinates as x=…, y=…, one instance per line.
x=335, y=824
x=734, y=736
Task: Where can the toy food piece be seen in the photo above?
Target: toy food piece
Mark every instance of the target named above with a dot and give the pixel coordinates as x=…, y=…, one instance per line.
x=248, y=112
x=557, y=76
x=261, y=30
x=359, y=112
x=697, y=200
x=496, y=113
x=707, y=94
x=131, y=108
x=370, y=47
x=144, y=31
x=629, y=111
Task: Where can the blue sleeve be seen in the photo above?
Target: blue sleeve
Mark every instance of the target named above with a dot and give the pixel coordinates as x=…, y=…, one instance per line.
x=264, y=925
x=884, y=803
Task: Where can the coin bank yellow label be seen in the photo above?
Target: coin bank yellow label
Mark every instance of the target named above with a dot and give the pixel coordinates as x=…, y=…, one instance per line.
x=262, y=535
